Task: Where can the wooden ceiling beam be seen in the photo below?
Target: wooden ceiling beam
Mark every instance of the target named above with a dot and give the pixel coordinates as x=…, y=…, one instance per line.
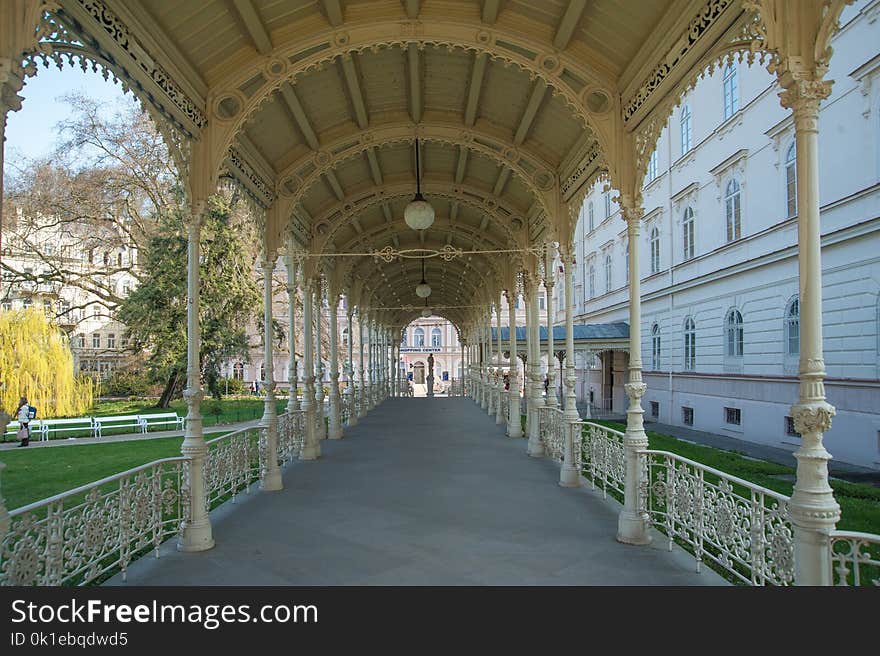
x=475, y=88
x=568, y=23
x=333, y=181
x=254, y=25
x=531, y=110
x=299, y=115
x=333, y=11
x=415, y=83
x=489, y=13
x=412, y=7
x=349, y=70
x=462, y=164
x=375, y=169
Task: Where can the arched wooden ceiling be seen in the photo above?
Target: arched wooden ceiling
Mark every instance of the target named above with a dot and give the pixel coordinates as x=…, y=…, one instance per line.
x=314, y=107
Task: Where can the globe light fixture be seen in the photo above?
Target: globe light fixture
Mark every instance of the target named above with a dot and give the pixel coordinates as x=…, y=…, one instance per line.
x=427, y=311
x=418, y=214
x=423, y=289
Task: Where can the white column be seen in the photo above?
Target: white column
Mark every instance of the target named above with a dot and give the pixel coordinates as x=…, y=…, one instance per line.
x=533, y=421
x=527, y=365
x=514, y=427
x=196, y=533
x=370, y=388
x=362, y=388
x=319, y=364
x=292, y=373
x=813, y=509
x=311, y=446
x=499, y=410
x=272, y=473
x=334, y=432
x=351, y=390
x=485, y=353
x=571, y=413
x=632, y=523
x=549, y=282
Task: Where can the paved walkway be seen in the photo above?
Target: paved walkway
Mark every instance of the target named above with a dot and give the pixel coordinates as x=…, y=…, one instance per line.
x=421, y=492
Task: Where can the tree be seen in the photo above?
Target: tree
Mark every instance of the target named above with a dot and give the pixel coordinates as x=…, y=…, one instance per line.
x=78, y=217
x=155, y=312
x=36, y=362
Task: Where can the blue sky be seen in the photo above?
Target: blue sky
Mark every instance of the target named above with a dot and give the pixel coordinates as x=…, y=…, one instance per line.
x=31, y=132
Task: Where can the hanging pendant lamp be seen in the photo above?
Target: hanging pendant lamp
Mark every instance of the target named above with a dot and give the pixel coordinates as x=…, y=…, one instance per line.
x=427, y=311
x=423, y=289
x=418, y=214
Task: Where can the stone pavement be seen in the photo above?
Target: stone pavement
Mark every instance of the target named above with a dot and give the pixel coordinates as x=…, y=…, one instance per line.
x=420, y=492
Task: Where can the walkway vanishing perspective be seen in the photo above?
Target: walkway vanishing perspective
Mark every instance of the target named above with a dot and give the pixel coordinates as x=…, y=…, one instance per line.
x=420, y=492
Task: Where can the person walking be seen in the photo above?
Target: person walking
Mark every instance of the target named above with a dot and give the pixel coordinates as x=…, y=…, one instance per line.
x=24, y=420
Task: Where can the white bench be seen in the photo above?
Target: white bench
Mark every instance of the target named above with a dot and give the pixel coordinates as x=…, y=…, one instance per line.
x=122, y=421
x=66, y=425
x=36, y=426
x=161, y=419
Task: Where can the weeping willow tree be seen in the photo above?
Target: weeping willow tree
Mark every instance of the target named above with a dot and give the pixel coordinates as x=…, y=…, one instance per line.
x=36, y=362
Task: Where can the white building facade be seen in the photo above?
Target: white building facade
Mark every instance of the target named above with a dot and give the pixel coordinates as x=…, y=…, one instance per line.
x=718, y=256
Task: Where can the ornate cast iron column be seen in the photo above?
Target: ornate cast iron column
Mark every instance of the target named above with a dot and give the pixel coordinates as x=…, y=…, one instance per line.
x=571, y=413
x=632, y=525
x=533, y=421
x=319, y=364
x=196, y=534
x=311, y=446
x=514, y=427
x=499, y=403
x=549, y=281
x=335, y=430
x=292, y=373
x=363, y=389
x=350, y=390
x=271, y=479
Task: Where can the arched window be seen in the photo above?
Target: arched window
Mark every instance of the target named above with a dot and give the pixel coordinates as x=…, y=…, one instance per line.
x=690, y=344
x=732, y=210
x=238, y=371
x=733, y=334
x=655, y=250
x=607, y=273
x=791, y=181
x=263, y=372
x=419, y=337
x=655, y=347
x=793, y=327
x=685, y=128
x=436, y=338
x=687, y=230
x=731, y=91
x=591, y=216
x=592, y=281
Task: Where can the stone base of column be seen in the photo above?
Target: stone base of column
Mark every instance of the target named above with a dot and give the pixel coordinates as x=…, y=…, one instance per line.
x=569, y=476
x=196, y=536
x=272, y=481
x=310, y=453
x=535, y=448
x=632, y=528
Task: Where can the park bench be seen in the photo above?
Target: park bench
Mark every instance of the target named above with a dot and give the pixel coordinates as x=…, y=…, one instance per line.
x=77, y=424
x=121, y=421
x=163, y=418
x=36, y=429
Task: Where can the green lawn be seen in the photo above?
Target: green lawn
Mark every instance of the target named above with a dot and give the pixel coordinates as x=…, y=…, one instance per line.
x=859, y=503
x=34, y=474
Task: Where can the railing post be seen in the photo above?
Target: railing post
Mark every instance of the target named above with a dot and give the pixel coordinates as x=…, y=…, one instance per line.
x=569, y=476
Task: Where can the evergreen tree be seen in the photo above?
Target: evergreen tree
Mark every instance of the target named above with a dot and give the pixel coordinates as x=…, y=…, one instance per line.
x=229, y=298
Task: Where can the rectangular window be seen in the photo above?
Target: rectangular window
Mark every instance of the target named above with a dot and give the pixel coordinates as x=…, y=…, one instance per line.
x=96, y=340
x=82, y=341
x=731, y=91
x=542, y=301
x=111, y=340
x=732, y=416
x=789, y=427
x=607, y=197
x=687, y=416
x=655, y=409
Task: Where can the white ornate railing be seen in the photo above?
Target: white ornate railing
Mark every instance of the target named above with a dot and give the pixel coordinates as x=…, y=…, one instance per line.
x=855, y=558
x=741, y=527
x=291, y=431
x=600, y=456
x=78, y=536
x=233, y=462
x=553, y=427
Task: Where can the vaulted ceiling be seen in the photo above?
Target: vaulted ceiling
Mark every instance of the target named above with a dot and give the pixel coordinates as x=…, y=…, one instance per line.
x=316, y=109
